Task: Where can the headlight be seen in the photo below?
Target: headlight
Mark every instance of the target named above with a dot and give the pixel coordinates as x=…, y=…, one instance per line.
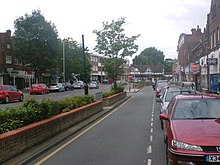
x=185, y=146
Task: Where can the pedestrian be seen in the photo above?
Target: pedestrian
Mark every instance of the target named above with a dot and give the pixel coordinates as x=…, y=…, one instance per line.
x=192, y=85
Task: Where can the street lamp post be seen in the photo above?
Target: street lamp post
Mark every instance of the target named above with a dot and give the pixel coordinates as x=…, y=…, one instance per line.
x=86, y=90
x=64, y=62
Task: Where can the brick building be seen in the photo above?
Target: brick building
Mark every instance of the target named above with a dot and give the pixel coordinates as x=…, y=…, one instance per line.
x=10, y=68
x=186, y=44
x=201, y=50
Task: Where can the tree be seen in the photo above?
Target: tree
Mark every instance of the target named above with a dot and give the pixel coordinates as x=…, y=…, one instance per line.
x=36, y=42
x=74, y=60
x=114, y=44
x=149, y=56
x=168, y=64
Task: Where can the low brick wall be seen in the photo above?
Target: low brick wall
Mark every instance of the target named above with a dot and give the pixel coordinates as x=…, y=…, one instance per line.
x=19, y=140
x=108, y=101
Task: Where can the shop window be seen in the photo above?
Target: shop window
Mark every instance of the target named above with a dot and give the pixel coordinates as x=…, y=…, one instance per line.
x=8, y=60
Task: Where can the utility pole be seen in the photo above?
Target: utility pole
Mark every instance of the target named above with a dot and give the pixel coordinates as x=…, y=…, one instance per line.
x=64, y=62
x=86, y=90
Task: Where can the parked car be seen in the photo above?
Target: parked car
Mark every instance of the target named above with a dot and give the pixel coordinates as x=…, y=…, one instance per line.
x=93, y=85
x=9, y=93
x=57, y=87
x=192, y=129
x=169, y=93
x=68, y=86
x=78, y=85
x=159, y=85
x=38, y=89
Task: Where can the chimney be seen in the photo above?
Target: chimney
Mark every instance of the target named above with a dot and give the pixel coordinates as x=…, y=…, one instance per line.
x=8, y=33
x=198, y=30
x=193, y=32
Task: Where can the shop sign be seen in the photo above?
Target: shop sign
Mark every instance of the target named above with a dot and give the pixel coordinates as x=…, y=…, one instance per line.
x=212, y=61
x=194, y=68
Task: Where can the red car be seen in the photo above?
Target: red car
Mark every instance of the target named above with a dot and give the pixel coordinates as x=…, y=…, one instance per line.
x=9, y=93
x=192, y=130
x=38, y=89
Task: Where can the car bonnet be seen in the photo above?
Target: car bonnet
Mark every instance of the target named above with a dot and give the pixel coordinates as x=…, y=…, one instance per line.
x=198, y=132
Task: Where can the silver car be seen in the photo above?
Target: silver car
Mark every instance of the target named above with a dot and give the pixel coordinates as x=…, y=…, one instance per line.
x=57, y=87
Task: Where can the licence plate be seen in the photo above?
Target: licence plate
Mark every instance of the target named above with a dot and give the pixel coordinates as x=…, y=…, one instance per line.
x=212, y=158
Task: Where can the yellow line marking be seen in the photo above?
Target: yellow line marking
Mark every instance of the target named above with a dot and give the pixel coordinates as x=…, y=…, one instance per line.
x=76, y=137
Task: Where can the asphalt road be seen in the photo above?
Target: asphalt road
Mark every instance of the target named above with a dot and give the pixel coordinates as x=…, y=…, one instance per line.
x=129, y=135
x=55, y=95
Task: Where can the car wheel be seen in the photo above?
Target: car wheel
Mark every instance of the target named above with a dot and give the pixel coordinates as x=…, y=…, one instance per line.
x=21, y=98
x=7, y=99
x=31, y=93
x=165, y=139
x=167, y=159
x=161, y=123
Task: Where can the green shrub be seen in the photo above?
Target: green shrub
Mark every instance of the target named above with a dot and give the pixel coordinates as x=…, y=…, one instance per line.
x=33, y=111
x=119, y=88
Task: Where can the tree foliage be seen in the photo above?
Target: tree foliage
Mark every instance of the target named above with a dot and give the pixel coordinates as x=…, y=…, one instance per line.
x=149, y=56
x=74, y=60
x=113, y=43
x=36, y=42
x=168, y=63
x=109, y=65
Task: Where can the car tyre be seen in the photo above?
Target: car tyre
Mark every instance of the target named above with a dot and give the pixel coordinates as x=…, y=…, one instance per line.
x=165, y=139
x=167, y=159
x=7, y=99
x=21, y=99
x=161, y=124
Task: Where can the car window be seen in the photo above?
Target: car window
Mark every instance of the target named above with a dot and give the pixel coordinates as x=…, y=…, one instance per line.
x=170, y=106
x=171, y=94
x=195, y=109
x=13, y=88
x=7, y=88
x=35, y=85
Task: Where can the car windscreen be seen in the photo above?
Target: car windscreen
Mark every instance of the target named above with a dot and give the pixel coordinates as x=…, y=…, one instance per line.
x=35, y=85
x=194, y=109
x=171, y=94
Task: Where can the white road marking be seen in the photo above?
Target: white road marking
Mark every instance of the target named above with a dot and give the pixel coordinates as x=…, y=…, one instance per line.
x=152, y=124
x=149, y=149
x=79, y=135
x=152, y=119
x=151, y=138
x=149, y=161
x=151, y=130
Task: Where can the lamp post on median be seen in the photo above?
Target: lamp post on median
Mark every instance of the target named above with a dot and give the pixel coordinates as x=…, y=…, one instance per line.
x=64, y=62
x=86, y=90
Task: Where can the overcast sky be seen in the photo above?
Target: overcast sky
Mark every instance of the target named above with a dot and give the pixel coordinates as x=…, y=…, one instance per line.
x=159, y=22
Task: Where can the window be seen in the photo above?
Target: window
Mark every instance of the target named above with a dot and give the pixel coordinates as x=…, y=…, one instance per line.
x=8, y=60
x=217, y=36
x=16, y=61
x=214, y=39
x=95, y=68
x=7, y=88
x=8, y=46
